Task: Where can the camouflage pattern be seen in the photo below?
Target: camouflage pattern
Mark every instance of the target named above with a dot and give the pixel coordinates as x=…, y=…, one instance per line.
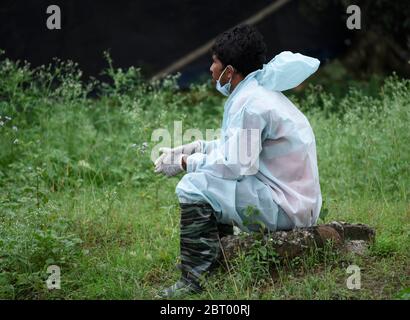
x=200, y=240
x=200, y=247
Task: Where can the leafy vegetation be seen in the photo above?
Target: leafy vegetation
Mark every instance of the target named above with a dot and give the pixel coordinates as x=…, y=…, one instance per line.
x=77, y=187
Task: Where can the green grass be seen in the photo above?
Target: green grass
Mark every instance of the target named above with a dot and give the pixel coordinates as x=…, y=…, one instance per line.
x=77, y=189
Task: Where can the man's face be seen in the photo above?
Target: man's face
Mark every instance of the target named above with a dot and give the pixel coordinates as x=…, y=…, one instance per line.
x=216, y=69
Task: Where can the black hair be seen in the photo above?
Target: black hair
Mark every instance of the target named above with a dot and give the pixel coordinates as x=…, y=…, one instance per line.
x=242, y=47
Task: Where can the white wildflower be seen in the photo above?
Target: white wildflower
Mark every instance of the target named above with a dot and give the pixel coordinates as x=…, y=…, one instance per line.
x=143, y=147
x=16, y=141
x=84, y=164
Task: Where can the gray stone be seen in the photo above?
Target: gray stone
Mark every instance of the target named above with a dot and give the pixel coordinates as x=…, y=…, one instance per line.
x=289, y=244
x=358, y=247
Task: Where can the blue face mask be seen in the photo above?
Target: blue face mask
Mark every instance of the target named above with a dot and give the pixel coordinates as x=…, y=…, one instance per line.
x=226, y=88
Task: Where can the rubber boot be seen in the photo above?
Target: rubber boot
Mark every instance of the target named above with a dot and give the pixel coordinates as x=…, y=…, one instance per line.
x=199, y=248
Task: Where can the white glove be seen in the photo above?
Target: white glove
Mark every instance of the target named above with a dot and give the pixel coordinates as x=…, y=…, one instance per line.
x=169, y=163
x=187, y=149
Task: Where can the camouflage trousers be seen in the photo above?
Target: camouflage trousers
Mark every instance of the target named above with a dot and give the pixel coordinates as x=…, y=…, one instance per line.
x=200, y=240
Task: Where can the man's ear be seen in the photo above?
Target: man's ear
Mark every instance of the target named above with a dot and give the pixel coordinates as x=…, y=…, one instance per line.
x=231, y=71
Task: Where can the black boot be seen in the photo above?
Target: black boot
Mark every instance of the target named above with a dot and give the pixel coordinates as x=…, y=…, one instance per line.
x=224, y=230
x=199, y=248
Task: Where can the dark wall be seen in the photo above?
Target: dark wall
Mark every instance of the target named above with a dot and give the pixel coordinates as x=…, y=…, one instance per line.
x=153, y=34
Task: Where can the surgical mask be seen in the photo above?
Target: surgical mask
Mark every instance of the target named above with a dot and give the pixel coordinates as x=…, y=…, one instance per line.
x=226, y=88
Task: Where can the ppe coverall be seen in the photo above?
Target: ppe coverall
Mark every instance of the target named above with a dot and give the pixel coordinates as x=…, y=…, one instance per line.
x=279, y=184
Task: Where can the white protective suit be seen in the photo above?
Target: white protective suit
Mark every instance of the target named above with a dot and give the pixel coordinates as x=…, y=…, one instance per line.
x=282, y=170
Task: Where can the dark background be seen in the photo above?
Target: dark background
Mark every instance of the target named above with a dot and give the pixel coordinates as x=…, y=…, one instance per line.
x=153, y=34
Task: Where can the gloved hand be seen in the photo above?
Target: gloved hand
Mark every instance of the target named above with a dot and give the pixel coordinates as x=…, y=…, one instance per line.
x=169, y=163
x=187, y=149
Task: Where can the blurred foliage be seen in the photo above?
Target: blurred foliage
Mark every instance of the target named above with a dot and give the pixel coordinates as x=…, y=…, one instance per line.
x=383, y=42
